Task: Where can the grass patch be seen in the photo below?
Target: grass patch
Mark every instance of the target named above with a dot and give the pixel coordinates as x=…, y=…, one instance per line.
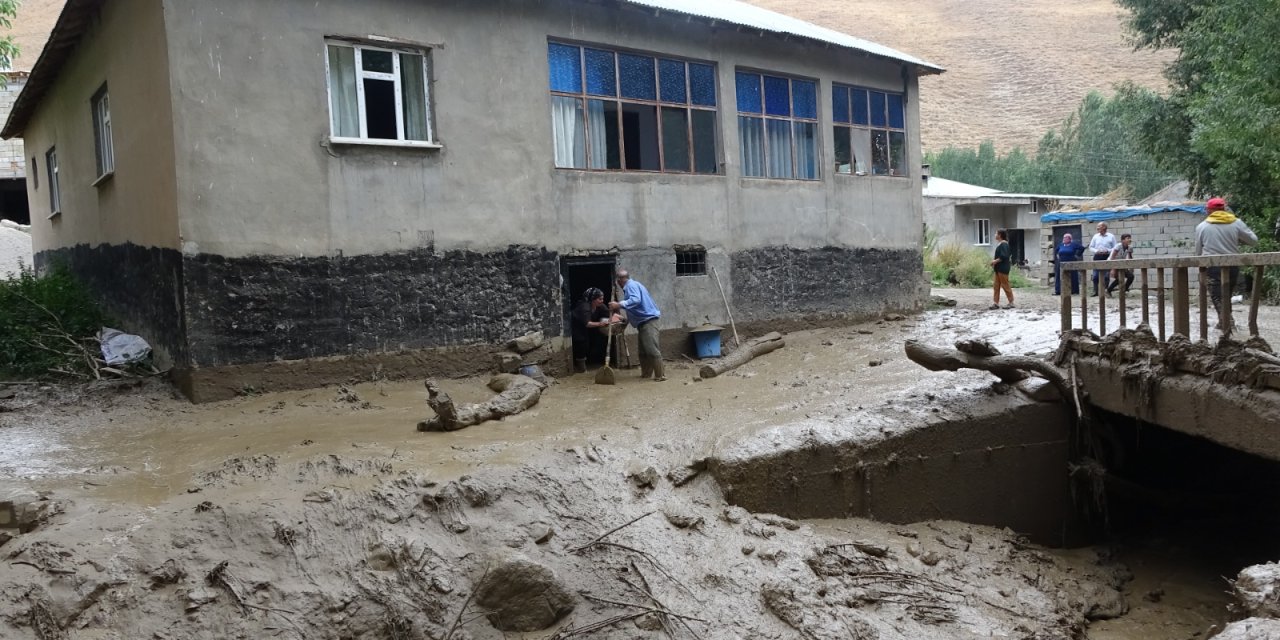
x=971, y=266
x=48, y=326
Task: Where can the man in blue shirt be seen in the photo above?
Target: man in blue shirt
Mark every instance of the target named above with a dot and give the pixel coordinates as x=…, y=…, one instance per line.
x=642, y=314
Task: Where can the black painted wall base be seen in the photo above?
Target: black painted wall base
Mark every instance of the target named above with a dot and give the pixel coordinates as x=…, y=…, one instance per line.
x=776, y=282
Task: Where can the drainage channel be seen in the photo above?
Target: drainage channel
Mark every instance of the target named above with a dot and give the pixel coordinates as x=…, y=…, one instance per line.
x=1182, y=514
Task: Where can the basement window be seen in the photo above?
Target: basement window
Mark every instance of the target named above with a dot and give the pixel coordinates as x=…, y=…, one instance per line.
x=691, y=261
x=379, y=95
x=983, y=227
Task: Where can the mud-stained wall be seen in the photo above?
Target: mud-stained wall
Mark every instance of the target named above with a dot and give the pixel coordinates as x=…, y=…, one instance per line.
x=245, y=310
x=139, y=286
x=779, y=281
x=1004, y=465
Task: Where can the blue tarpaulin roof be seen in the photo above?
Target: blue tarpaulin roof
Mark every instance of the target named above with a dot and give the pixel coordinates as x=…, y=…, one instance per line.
x=1118, y=213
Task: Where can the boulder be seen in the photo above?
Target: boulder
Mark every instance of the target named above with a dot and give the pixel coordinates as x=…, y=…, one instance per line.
x=507, y=362
x=1258, y=590
x=1039, y=389
x=523, y=596
x=1251, y=629
x=527, y=342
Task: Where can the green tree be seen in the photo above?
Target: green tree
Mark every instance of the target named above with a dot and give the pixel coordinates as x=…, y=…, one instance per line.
x=1094, y=151
x=1220, y=125
x=8, y=48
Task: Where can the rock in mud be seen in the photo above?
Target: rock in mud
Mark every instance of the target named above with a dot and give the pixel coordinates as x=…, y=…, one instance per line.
x=540, y=532
x=1251, y=629
x=527, y=342
x=522, y=595
x=1039, y=389
x=643, y=476
x=1258, y=590
x=507, y=362
x=736, y=515
x=1102, y=602
x=683, y=475
x=682, y=519
x=895, y=317
x=778, y=521
x=167, y=574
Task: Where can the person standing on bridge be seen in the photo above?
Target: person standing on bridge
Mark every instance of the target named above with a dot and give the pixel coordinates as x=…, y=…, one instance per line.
x=1123, y=251
x=1221, y=234
x=1101, y=246
x=1068, y=251
x=642, y=314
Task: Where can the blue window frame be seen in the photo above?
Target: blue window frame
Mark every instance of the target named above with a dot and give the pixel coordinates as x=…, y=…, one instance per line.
x=870, y=131
x=777, y=126
x=626, y=111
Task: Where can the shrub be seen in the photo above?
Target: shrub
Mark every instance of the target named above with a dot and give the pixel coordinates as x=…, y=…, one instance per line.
x=47, y=325
x=972, y=267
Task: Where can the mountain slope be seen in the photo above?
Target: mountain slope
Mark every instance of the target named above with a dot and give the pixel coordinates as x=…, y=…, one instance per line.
x=1014, y=67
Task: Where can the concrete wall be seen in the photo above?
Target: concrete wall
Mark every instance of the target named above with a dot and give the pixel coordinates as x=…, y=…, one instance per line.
x=13, y=163
x=120, y=234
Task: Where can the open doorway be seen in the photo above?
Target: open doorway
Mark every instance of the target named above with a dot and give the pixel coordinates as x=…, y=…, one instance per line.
x=1017, y=245
x=578, y=275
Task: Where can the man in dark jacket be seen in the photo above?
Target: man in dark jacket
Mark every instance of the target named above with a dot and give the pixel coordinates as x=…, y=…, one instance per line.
x=590, y=314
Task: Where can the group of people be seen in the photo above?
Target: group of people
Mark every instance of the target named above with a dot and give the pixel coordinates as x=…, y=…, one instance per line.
x=1103, y=246
x=1221, y=233
x=592, y=316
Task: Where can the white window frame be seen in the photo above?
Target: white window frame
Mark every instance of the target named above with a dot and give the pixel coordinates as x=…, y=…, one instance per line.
x=51, y=176
x=983, y=226
x=394, y=78
x=104, y=147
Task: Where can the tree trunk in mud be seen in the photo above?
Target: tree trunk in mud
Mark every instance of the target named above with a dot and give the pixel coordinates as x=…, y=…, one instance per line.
x=515, y=394
x=751, y=350
x=983, y=357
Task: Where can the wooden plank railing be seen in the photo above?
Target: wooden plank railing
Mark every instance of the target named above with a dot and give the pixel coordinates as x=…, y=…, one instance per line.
x=1180, y=267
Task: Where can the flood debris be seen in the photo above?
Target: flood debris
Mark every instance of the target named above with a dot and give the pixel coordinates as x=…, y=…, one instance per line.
x=522, y=595
x=981, y=355
x=516, y=393
x=749, y=351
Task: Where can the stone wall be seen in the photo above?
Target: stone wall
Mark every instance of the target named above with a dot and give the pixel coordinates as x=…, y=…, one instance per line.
x=270, y=308
x=1158, y=235
x=778, y=283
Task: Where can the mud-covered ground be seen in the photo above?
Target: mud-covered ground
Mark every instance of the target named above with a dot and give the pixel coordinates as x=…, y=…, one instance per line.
x=335, y=519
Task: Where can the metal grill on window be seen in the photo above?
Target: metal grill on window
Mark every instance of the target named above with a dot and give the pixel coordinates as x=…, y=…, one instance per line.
x=691, y=263
x=620, y=111
x=870, y=131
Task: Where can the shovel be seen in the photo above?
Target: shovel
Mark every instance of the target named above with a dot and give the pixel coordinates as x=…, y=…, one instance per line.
x=605, y=374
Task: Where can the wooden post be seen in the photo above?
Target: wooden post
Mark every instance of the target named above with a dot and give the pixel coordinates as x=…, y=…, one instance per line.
x=1084, y=302
x=1181, y=301
x=1066, y=309
x=1228, y=287
x=1204, y=306
x=1146, y=297
x=1123, y=311
x=1102, y=307
x=1255, y=299
x=1160, y=300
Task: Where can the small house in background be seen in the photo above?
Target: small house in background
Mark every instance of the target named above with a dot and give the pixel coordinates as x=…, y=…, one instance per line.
x=300, y=192
x=1160, y=230
x=967, y=214
x=31, y=27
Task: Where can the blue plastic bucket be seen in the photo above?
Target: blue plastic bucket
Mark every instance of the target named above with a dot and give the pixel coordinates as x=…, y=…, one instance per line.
x=707, y=343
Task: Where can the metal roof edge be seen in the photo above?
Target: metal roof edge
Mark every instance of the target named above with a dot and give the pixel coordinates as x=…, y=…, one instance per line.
x=67, y=32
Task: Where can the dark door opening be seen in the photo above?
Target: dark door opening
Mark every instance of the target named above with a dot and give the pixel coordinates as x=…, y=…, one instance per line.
x=578, y=275
x=1017, y=244
x=13, y=201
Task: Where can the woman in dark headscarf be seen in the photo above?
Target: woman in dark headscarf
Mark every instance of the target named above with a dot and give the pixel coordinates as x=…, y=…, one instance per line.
x=590, y=313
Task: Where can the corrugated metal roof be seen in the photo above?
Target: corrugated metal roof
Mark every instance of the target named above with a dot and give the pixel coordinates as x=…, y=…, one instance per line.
x=746, y=15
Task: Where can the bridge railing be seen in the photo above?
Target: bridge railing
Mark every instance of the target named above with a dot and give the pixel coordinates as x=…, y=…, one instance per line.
x=1179, y=269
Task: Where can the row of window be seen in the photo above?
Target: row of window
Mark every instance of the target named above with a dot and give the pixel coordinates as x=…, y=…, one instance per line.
x=104, y=151
x=622, y=111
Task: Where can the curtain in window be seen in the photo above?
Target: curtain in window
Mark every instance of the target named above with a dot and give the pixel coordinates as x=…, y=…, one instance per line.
x=599, y=134
x=413, y=92
x=567, y=126
x=751, y=139
x=807, y=150
x=344, y=112
x=779, y=160
x=862, y=151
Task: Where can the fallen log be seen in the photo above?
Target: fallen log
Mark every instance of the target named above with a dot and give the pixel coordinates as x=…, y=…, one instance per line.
x=515, y=394
x=983, y=357
x=749, y=351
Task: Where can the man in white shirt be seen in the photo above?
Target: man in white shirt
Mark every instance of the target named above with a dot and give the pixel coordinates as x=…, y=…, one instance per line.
x=1101, y=246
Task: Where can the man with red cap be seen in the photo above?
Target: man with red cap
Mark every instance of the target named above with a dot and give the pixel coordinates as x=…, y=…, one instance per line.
x=1221, y=234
